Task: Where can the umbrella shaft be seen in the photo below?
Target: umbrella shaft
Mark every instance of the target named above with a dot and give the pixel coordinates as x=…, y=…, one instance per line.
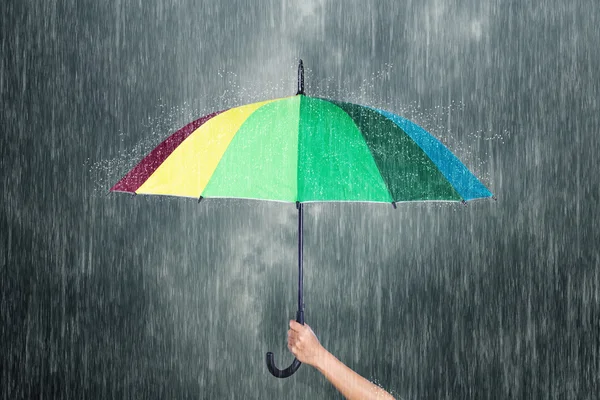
x=300, y=274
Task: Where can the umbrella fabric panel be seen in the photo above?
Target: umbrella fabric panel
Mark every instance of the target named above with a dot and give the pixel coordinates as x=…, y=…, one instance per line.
x=407, y=171
x=335, y=163
x=189, y=167
x=465, y=183
x=142, y=171
x=261, y=161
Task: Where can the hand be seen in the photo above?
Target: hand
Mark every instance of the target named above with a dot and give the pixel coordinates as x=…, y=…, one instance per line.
x=303, y=343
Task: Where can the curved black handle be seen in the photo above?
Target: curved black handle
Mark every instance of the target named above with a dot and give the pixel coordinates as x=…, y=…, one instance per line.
x=279, y=373
x=289, y=371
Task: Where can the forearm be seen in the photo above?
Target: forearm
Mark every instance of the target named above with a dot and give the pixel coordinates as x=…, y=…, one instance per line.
x=349, y=383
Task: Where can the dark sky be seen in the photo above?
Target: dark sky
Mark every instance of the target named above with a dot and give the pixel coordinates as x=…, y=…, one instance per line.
x=108, y=296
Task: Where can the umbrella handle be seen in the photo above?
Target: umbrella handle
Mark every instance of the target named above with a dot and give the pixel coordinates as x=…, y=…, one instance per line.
x=289, y=371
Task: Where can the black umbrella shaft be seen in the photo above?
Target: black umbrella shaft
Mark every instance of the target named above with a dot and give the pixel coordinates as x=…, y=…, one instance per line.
x=300, y=272
x=289, y=371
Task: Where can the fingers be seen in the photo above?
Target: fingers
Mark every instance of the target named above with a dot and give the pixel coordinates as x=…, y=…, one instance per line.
x=295, y=347
x=292, y=335
x=296, y=337
x=297, y=326
x=292, y=342
x=294, y=350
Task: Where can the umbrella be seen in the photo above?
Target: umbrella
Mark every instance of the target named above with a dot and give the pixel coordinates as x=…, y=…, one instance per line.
x=302, y=149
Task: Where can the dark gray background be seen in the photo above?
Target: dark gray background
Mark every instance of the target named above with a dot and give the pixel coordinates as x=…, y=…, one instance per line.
x=108, y=296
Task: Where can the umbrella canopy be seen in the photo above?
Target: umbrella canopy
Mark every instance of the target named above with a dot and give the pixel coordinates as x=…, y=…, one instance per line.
x=304, y=149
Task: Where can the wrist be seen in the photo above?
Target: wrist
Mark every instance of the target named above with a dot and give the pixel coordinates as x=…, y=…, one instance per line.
x=321, y=359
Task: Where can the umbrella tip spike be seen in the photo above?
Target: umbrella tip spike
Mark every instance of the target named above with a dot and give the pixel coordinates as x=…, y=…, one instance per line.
x=494, y=198
x=200, y=199
x=394, y=204
x=464, y=202
x=297, y=205
x=300, y=78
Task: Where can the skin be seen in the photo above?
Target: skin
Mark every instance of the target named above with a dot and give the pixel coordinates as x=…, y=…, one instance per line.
x=305, y=346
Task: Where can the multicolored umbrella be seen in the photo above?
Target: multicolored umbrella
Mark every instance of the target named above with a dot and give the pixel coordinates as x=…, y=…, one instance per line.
x=302, y=149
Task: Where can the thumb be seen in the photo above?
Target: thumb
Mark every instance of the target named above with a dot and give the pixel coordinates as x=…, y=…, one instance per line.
x=296, y=325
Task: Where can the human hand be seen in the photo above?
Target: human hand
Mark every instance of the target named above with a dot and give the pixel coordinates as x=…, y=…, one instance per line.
x=303, y=343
